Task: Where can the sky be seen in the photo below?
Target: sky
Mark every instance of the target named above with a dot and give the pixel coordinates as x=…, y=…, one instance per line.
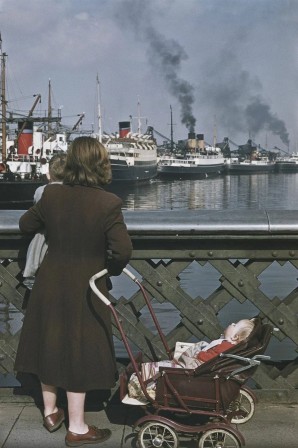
x=226, y=68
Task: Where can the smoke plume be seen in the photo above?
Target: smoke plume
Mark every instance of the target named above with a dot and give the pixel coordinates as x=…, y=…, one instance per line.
x=259, y=117
x=164, y=54
x=236, y=96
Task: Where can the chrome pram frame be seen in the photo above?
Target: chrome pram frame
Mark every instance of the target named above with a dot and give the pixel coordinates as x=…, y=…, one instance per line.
x=211, y=413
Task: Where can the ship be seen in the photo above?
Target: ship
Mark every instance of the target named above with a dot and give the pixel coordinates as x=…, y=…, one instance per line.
x=247, y=166
x=250, y=160
x=287, y=164
x=28, y=142
x=133, y=155
x=197, y=161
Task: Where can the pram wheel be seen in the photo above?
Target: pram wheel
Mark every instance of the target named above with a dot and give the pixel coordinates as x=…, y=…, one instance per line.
x=154, y=434
x=244, y=403
x=218, y=438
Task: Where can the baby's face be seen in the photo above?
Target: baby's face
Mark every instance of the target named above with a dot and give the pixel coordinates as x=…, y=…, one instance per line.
x=232, y=330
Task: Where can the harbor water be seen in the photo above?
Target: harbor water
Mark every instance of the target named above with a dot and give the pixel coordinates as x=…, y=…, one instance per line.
x=269, y=191
x=245, y=191
x=234, y=192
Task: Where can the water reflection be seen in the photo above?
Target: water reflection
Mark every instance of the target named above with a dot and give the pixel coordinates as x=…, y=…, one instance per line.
x=254, y=191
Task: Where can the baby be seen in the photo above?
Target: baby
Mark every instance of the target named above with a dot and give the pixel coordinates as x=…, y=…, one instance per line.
x=194, y=356
x=202, y=351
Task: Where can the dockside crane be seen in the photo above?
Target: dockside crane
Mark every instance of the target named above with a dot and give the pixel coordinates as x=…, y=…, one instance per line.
x=154, y=131
x=75, y=126
x=260, y=147
x=233, y=143
x=279, y=149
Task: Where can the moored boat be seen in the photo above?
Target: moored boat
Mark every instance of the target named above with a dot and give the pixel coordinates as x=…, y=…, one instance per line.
x=287, y=164
x=27, y=144
x=199, y=161
x=133, y=156
x=250, y=159
x=21, y=174
x=263, y=165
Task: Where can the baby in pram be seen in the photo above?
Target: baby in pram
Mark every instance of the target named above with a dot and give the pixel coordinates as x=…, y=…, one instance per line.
x=191, y=357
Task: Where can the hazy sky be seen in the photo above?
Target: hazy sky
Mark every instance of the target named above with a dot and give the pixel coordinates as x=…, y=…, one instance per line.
x=232, y=63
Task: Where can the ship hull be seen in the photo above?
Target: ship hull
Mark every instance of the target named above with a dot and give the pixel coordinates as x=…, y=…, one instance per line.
x=183, y=172
x=286, y=167
x=143, y=172
x=18, y=195
x=193, y=166
x=238, y=168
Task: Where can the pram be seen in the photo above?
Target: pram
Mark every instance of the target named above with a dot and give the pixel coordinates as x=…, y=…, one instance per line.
x=202, y=403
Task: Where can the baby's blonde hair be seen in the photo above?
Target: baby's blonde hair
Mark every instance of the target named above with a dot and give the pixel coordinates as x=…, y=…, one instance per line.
x=56, y=167
x=247, y=327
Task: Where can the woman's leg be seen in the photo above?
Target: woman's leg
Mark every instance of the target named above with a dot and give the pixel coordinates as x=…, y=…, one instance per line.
x=76, y=404
x=49, y=394
x=79, y=433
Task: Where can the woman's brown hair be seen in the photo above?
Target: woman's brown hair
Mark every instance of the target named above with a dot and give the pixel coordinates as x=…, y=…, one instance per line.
x=87, y=163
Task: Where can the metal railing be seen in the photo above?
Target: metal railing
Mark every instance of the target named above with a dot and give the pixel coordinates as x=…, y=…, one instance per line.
x=199, y=269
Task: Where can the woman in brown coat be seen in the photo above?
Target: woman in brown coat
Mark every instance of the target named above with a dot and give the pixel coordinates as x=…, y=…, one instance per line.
x=66, y=339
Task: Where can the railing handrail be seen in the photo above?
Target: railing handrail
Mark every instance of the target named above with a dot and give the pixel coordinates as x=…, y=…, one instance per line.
x=191, y=222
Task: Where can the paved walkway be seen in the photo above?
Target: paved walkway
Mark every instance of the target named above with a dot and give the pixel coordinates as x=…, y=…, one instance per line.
x=273, y=426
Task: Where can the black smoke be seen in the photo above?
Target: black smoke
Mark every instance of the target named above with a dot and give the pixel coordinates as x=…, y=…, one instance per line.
x=166, y=55
x=236, y=96
x=260, y=117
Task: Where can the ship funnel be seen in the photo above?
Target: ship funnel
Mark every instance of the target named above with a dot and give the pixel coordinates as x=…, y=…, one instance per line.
x=200, y=140
x=124, y=128
x=191, y=141
x=25, y=139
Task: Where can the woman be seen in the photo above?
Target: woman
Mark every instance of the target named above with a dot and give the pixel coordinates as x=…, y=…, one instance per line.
x=66, y=338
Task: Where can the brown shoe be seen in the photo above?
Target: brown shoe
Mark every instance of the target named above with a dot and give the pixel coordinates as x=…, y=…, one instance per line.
x=53, y=421
x=94, y=435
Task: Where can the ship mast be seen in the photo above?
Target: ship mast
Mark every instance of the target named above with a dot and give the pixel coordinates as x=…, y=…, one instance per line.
x=214, y=133
x=139, y=117
x=99, y=110
x=172, y=135
x=3, y=101
x=49, y=109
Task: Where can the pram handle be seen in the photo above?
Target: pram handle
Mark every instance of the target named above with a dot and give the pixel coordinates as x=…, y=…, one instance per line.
x=102, y=273
x=130, y=274
x=105, y=300
x=95, y=289
x=254, y=361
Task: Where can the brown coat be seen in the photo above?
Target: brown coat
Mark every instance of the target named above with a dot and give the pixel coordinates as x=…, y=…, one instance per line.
x=66, y=339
